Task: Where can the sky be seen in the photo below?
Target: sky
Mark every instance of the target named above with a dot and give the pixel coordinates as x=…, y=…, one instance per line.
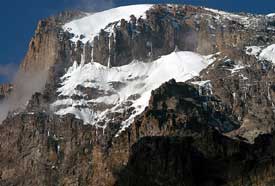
x=18, y=20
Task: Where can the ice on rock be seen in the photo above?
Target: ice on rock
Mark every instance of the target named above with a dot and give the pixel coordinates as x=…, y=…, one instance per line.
x=253, y=50
x=89, y=26
x=138, y=78
x=245, y=20
x=262, y=53
x=268, y=53
x=270, y=15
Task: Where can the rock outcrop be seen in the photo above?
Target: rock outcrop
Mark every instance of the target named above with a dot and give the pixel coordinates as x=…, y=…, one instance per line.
x=5, y=90
x=171, y=143
x=46, y=47
x=167, y=28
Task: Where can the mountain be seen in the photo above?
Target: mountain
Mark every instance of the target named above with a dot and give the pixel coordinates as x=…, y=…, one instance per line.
x=143, y=95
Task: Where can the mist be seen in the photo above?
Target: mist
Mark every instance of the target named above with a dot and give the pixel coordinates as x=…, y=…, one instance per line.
x=24, y=86
x=8, y=71
x=90, y=5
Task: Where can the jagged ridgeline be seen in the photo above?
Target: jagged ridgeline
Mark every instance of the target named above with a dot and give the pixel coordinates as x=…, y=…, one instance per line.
x=143, y=95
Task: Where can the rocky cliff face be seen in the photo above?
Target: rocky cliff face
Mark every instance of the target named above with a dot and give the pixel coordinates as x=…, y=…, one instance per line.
x=215, y=129
x=45, y=47
x=46, y=52
x=169, y=144
x=5, y=90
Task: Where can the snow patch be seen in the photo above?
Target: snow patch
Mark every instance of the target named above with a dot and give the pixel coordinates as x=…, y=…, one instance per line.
x=200, y=83
x=91, y=25
x=268, y=53
x=204, y=86
x=237, y=68
x=247, y=21
x=253, y=50
x=138, y=78
x=262, y=53
x=270, y=15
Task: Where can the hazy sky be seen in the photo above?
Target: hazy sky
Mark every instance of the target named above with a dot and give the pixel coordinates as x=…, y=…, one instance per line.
x=18, y=19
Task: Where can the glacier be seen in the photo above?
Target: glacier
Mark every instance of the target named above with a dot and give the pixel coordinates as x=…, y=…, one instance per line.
x=139, y=78
x=90, y=25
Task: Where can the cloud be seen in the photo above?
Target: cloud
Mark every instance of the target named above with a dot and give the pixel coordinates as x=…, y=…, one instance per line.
x=90, y=5
x=96, y=4
x=8, y=70
x=25, y=85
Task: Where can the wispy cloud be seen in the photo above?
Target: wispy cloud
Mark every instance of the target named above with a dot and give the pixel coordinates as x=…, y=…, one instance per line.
x=90, y=5
x=96, y=4
x=25, y=85
x=8, y=70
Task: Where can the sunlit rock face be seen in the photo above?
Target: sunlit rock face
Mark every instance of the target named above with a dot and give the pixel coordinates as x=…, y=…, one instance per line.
x=5, y=90
x=144, y=95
